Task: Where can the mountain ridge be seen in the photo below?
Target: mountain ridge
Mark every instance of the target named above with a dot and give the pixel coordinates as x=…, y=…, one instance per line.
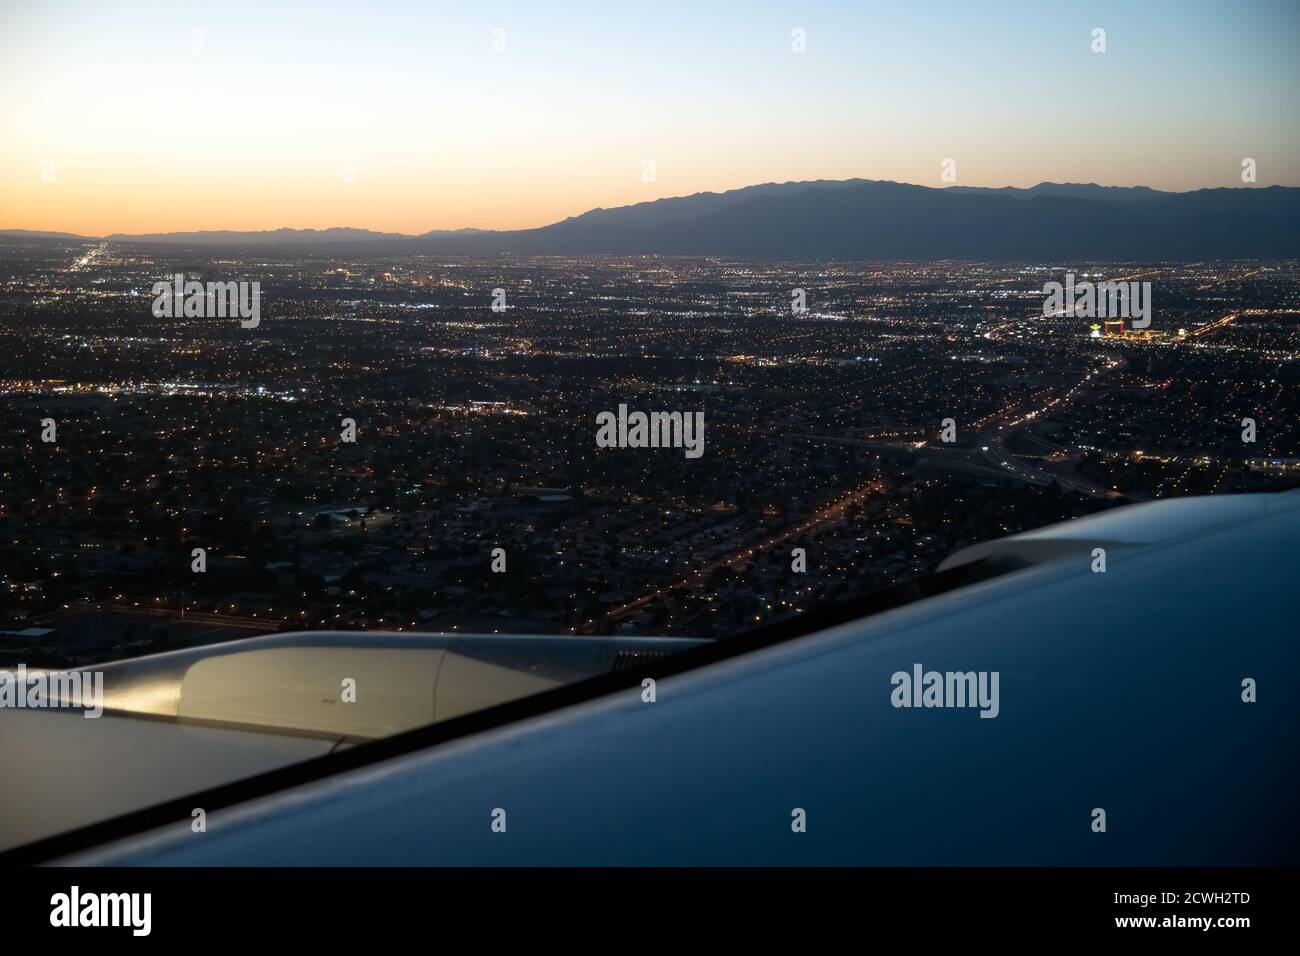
x=858, y=218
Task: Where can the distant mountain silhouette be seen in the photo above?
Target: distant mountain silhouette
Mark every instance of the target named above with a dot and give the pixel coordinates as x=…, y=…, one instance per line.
x=269, y=236
x=865, y=219
x=658, y=212
x=887, y=220
x=436, y=233
x=38, y=234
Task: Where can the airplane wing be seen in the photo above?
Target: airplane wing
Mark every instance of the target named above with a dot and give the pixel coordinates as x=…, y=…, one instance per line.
x=1160, y=691
x=188, y=720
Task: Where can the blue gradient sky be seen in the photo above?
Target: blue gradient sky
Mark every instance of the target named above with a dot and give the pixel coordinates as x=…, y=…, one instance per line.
x=260, y=128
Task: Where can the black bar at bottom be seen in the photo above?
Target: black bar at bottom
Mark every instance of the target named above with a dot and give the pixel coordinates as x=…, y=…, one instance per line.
x=331, y=906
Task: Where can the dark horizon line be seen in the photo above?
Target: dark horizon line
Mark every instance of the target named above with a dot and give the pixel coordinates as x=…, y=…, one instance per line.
x=471, y=230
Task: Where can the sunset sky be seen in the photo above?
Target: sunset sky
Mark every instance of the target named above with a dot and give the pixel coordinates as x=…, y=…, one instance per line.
x=253, y=122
